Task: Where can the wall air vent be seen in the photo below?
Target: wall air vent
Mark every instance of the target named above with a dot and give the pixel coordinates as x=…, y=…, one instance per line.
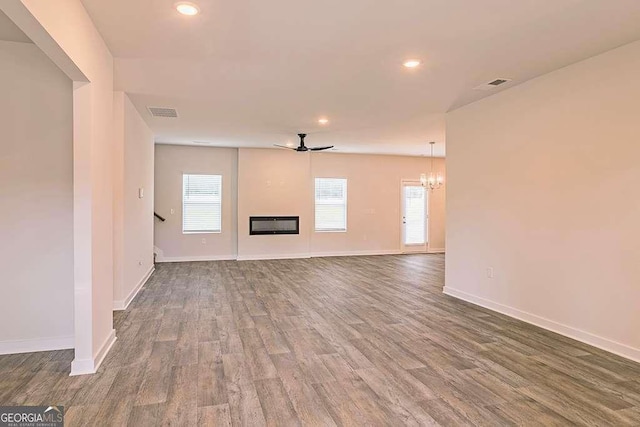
x=163, y=112
x=492, y=84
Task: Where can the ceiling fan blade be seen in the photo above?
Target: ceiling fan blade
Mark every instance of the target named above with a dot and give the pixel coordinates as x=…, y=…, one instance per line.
x=320, y=148
x=284, y=146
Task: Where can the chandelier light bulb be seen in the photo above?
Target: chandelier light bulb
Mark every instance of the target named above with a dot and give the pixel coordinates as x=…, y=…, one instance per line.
x=434, y=180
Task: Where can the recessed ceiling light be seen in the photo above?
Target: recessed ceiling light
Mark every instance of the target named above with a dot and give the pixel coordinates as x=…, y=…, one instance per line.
x=187, y=8
x=411, y=63
x=323, y=121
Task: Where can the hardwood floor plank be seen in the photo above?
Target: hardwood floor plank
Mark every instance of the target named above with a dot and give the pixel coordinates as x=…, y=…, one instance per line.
x=181, y=406
x=244, y=404
x=370, y=404
x=157, y=375
x=304, y=398
x=209, y=352
x=341, y=407
x=273, y=339
x=573, y=407
x=276, y=406
x=443, y=413
x=117, y=404
x=230, y=341
x=144, y=415
x=212, y=389
x=256, y=355
x=402, y=404
x=214, y=416
x=207, y=330
x=349, y=341
x=528, y=412
x=314, y=369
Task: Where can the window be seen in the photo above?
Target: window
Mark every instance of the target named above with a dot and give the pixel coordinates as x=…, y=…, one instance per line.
x=331, y=204
x=201, y=203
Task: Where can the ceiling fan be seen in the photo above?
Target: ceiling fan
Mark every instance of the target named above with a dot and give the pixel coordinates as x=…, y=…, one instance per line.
x=302, y=147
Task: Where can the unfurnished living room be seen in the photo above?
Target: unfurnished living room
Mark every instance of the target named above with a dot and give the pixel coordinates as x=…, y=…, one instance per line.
x=321, y=213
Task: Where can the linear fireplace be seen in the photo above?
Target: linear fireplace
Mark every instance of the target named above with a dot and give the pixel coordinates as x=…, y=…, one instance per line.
x=266, y=225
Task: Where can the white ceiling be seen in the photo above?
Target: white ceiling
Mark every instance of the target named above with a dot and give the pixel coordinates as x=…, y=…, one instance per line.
x=255, y=72
x=10, y=32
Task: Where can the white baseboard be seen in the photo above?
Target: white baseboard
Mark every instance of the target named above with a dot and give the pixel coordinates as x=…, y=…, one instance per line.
x=271, y=256
x=123, y=304
x=159, y=254
x=356, y=253
x=266, y=257
x=551, y=325
x=90, y=366
x=37, y=344
x=435, y=251
x=197, y=258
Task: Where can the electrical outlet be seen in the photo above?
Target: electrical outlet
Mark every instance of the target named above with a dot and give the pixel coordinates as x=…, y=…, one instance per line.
x=173, y=211
x=490, y=272
x=204, y=241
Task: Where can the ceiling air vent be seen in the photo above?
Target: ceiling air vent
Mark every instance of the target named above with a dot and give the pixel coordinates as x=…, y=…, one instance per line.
x=162, y=112
x=492, y=84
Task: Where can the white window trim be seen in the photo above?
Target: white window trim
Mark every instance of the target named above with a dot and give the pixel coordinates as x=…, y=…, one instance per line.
x=182, y=197
x=203, y=232
x=346, y=206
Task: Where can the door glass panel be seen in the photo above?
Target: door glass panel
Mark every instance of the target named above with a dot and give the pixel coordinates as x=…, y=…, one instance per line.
x=414, y=211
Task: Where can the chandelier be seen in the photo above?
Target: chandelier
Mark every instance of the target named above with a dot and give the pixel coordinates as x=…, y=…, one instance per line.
x=434, y=180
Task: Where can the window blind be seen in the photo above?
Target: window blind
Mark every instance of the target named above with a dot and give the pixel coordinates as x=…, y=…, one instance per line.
x=201, y=203
x=331, y=204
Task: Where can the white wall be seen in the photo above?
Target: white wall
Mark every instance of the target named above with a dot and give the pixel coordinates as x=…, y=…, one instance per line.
x=543, y=185
x=171, y=162
x=36, y=195
x=279, y=182
x=133, y=216
x=273, y=183
x=65, y=32
x=373, y=206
